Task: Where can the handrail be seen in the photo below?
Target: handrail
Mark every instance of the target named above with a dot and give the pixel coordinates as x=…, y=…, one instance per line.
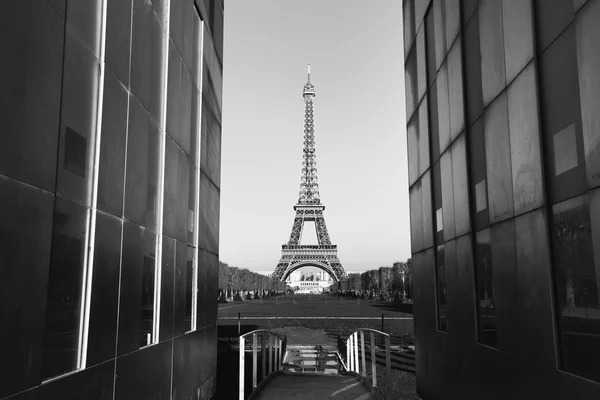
x=276, y=345
x=353, y=363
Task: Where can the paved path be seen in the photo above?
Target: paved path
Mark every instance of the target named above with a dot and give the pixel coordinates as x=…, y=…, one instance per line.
x=306, y=387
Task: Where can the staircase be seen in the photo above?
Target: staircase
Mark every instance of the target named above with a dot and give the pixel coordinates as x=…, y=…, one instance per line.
x=320, y=360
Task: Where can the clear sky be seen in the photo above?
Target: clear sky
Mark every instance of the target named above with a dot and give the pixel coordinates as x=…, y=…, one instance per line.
x=356, y=55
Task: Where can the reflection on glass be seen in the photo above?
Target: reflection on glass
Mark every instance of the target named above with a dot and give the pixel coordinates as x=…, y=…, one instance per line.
x=485, y=288
x=61, y=335
x=441, y=290
x=577, y=284
x=189, y=286
x=148, y=292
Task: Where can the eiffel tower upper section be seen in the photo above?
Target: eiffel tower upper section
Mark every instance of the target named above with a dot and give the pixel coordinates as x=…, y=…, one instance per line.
x=309, y=183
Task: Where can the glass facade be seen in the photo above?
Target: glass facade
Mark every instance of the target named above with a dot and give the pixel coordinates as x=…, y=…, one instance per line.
x=509, y=190
x=105, y=233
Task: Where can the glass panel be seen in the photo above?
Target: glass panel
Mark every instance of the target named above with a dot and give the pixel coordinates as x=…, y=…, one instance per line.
x=588, y=60
x=189, y=288
x=551, y=19
x=536, y=339
x=410, y=75
x=118, y=31
x=517, y=18
x=461, y=188
x=421, y=64
x=433, y=123
x=443, y=108
x=577, y=281
x=440, y=32
x=423, y=137
x=485, y=288
x=525, y=142
x=452, y=10
x=474, y=101
x=416, y=217
x=409, y=24
x=491, y=46
x=63, y=307
x=455, y=91
x=412, y=134
x=148, y=289
x=441, y=290
x=448, y=196
x=437, y=203
x=427, y=212
x=498, y=160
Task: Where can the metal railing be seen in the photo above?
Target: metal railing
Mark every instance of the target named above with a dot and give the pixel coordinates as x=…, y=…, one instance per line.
x=271, y=343
x=358, y=365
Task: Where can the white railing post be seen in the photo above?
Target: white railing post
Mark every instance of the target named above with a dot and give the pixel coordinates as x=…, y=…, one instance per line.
x=242, y=365
x=348, y=354
x=373, y=359
x=270, y=353
x=350, y=345
x=364, y=358
x=280, y=360
x=254, y=360
x=356, y=363
x=263, y=352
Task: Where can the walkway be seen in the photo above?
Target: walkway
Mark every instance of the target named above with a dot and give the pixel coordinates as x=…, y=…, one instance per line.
x=312, y=387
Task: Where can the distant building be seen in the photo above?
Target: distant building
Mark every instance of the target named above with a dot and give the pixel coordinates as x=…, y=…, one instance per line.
x=503, y=117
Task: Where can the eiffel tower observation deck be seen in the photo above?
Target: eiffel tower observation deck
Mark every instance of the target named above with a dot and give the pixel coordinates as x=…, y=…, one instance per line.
x=309, y=209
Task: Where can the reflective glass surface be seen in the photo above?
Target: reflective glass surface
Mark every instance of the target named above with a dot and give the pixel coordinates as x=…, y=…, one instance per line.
x=577, y=281
x=427, y=211
x=421, y=64
x=472, y=66
x=63, y=307
x=410, y=74
x=498, y=160
x=517, y=17
x=441, y=289
x=462, y=220
x=525, y=142
x=455, y=90
x=443, y=107
x=409, y=24
x=448, y=196
x=423, y=137
x=588, y=62
x=148, y=288
x=416, y=217
x=440, y=32
x=491, y=46
x=452, y=14
x=412, y=134
x=485, y=288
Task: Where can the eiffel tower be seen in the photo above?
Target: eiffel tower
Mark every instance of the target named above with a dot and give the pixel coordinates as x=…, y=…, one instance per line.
x=309, y=208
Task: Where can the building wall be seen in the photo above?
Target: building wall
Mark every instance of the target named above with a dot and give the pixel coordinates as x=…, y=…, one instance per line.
x=109, y=198
x=502, y=104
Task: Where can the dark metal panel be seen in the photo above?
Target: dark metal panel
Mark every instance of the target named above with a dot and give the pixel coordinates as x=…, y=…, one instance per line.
x=214, y=151
x=30, y=77
x=472, y=59
x=203, y=227
x=428, y=225
x=588, y=63
x=187, y=363
x=147, y=55
x=455, y=90
x=517, y=20
x=438, y=217
x=416, y=218
x=179, y=100
x=214, y=202
x=412, y=135
x=462, y=220
x=25, y=225
x=212, y=76
x=118, y=38
x=468, y=8
x=441, y=282
x=450, y=273
x=465, y=312
x=111, y=169
x=181, y=258
x=130, y=302
x=478, y=175
x=504, y=266
x=203, y=292
x=430, y=45
x=410, y=82
x=443, y=107
x=498, y=160
x=78, y=122
x=64, y=289
x=536, y=341
x=171, y=189
x=145, y=374
x=167, y=289
x=211, y=292
x=440, y=31
x=183, y=189
x=451, y=20
x=486, y=288
x=561, y=116
x=491, y=47
x=420, y=8
x=433, y=124
x=448, y=196
x=105, y=289
x=421, y=64
x=146, y=331
x=423, y=145
x=408, y=13
x=141, y=189
x=526, y=158
x=551, y=19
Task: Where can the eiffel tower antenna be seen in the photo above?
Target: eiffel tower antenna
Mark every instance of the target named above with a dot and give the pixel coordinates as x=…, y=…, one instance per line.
x=309, y=208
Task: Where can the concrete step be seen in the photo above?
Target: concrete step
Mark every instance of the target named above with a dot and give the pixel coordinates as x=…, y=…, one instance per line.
x=312, y=360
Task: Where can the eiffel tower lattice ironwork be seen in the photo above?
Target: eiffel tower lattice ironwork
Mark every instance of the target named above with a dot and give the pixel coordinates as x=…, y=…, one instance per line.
x=309, y=208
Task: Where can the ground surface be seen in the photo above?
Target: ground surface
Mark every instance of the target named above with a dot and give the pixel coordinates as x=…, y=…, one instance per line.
x=312, y=320
x=311, y=388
